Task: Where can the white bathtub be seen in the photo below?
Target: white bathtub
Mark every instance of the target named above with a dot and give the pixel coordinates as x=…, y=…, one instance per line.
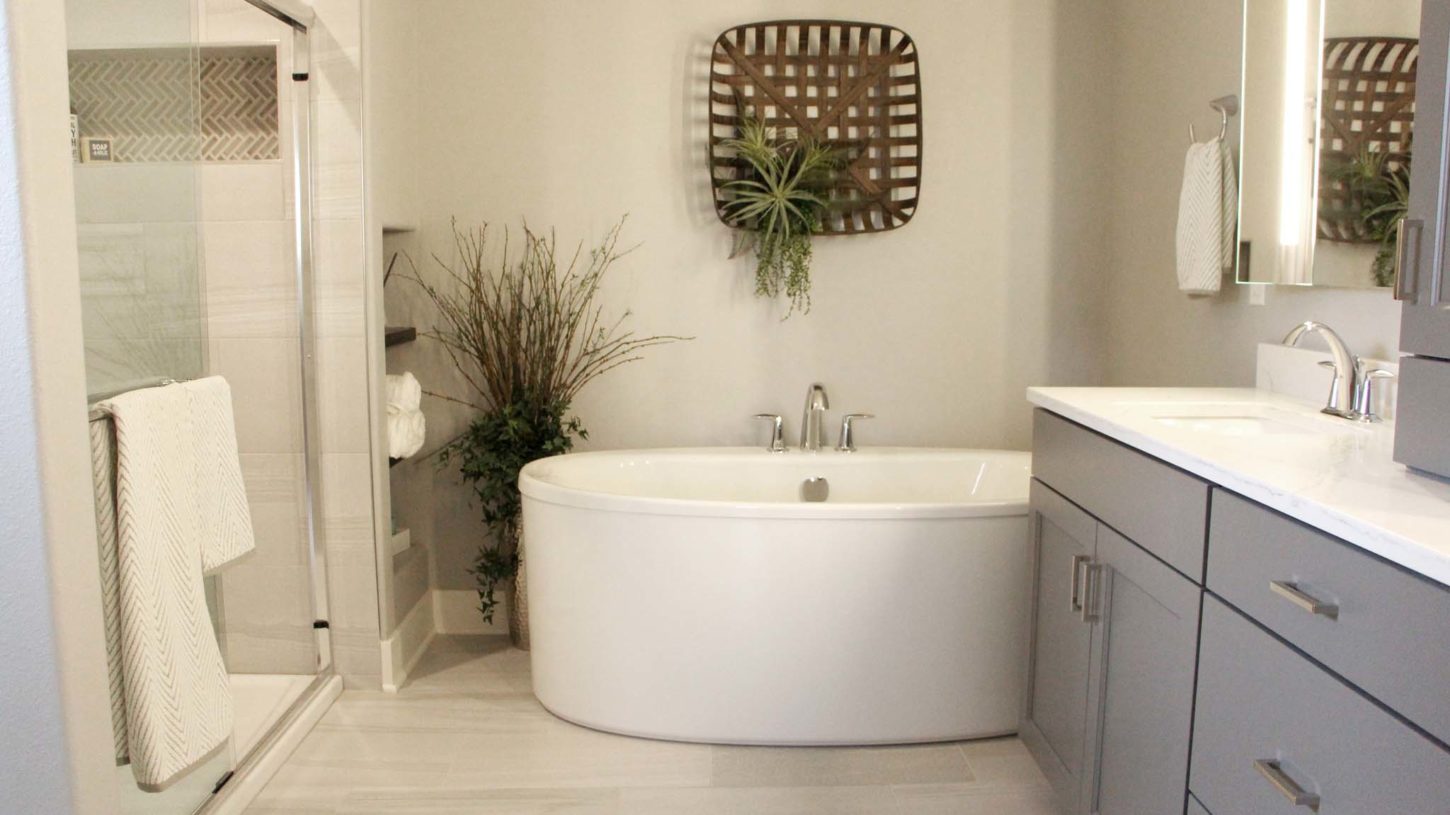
x=691, y=594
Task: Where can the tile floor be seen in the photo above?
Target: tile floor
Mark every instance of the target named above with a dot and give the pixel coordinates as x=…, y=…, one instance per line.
x=466, y=736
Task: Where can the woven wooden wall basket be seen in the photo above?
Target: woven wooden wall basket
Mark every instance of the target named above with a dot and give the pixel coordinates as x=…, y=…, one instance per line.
x=854, y=86
x=1368, y=103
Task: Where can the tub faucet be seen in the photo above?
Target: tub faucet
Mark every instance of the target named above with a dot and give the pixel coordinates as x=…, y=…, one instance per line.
x=1346, y=368
x=816, y=406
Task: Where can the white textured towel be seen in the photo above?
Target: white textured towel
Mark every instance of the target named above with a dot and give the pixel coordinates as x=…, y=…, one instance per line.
x=406, y=426
x=180, y=510
x=404, y=392
x=1207, y=217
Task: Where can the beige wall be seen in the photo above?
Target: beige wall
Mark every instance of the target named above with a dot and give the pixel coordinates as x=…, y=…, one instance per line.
x=1169, y=59
x=570, y=114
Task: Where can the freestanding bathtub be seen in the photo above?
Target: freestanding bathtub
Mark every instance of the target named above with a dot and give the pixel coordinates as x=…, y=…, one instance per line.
x=693, y=595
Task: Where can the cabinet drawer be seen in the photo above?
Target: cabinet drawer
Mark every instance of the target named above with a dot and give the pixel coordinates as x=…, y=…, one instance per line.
x=1260, y=701
x=1386, y=630
x=1162, y=509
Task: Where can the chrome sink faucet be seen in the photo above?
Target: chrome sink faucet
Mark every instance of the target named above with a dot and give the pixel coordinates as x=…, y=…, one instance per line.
x=1347, y=368
x=811, y=418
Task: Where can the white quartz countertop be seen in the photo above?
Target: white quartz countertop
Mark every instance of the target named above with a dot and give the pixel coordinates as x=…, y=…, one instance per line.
x=1332, y=474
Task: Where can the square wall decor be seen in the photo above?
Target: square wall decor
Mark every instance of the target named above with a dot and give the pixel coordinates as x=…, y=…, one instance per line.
x=853, y=86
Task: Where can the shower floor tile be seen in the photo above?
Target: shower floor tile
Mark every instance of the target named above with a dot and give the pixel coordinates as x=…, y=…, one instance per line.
x=465, y=735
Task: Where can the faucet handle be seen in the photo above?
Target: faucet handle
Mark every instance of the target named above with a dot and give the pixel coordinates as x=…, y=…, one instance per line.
x=848, y=437
x=1365, y=392
x=1352, y=376
x=777, y=433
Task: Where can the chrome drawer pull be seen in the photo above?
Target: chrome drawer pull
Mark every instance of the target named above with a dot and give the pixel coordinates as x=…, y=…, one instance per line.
x=1075, y=596
x=1291, y=592
x=1270, y=769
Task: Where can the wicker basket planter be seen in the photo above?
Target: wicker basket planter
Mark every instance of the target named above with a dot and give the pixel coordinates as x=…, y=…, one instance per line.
x=1368, y=104
x=852, y=86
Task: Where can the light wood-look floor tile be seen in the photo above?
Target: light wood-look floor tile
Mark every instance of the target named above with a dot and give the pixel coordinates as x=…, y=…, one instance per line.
x=467, y=736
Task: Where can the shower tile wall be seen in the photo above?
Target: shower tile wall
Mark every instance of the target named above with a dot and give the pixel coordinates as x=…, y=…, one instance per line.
x=251, y=304
x=246, y=209
x=340, y=265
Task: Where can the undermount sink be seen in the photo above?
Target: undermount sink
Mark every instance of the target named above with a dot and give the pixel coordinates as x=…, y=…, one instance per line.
x=1246, y=425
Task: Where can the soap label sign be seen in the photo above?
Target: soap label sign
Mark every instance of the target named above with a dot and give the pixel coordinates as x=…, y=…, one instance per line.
x=98, y=150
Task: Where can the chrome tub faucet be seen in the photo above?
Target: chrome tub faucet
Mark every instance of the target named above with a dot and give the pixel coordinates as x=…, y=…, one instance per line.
x=815, y=411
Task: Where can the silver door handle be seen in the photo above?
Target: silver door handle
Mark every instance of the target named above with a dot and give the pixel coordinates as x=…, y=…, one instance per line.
x=1296, y=795
x=1091, y=582
x=1075, y=597
x=1403, y=291
x=1311, y=604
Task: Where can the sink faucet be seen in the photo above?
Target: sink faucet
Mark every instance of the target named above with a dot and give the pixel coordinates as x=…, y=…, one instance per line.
x=1346, y=368
x=816, y=405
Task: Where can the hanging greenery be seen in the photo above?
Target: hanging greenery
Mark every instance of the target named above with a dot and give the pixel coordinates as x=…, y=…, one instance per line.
x=1381, y=195
x=778, y=205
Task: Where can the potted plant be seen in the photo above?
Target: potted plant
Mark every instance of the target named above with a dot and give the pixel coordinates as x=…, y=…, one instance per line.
x=777, y=205
x=526, y=335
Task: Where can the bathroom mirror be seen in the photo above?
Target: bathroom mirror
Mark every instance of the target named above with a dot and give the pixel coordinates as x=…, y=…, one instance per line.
x=1328, y=106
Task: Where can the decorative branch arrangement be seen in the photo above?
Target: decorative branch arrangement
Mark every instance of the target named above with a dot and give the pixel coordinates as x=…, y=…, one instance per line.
x=525, y=336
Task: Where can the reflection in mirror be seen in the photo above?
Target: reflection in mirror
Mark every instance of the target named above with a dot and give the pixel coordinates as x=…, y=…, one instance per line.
x=1328, y=107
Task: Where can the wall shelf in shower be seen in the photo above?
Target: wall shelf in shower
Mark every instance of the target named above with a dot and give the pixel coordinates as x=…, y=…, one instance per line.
x=180, y=104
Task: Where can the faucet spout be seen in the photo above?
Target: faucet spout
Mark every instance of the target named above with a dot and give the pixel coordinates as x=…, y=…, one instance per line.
x=816, y=406
x=1346, y=366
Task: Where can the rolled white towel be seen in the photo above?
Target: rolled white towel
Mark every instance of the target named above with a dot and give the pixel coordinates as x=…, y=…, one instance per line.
x=406, y=431
x=404, y=392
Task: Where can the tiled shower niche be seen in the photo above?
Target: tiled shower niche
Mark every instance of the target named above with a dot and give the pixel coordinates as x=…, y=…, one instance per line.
x=182, y=104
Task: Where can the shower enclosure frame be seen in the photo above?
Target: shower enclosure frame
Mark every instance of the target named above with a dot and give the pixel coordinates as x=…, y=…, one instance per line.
x=300, y=18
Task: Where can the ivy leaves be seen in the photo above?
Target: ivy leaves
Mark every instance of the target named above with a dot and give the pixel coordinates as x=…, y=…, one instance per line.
x=489, y=455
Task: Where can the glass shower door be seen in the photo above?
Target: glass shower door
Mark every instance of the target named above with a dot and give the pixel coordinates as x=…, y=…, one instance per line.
x=187, y=235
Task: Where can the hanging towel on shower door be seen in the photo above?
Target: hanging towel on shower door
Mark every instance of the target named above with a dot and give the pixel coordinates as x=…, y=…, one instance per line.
x=1207, y=217
x=103, y=477
x=180, y=512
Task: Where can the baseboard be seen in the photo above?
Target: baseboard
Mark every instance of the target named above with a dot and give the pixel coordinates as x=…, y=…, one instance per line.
x=243, y=788
x=408, y=643
x=455, y=611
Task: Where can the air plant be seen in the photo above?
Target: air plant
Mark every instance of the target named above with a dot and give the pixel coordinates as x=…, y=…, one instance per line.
x=778, y=205
x=1381, y=195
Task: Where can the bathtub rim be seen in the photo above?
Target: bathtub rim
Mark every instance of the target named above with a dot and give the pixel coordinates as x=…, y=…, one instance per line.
x=537, y=489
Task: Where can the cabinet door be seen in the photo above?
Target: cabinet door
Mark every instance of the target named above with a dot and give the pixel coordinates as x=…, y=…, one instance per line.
x=1425, y=328
x=1144, y=654
x=1054, y=716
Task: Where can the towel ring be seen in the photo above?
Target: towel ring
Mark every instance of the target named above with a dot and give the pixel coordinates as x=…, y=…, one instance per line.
x=1226, y=106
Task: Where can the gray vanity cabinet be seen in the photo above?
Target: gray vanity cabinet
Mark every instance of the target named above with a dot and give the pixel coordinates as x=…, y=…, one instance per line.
x=1109, y=702
x=1277, y=735
x=1145, y=653
x=1424, y=277
x=1054, y=721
